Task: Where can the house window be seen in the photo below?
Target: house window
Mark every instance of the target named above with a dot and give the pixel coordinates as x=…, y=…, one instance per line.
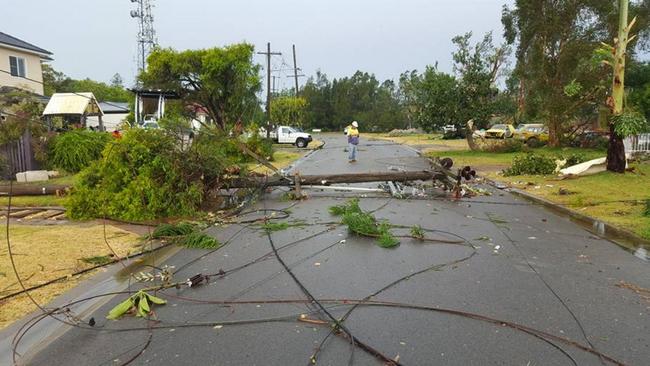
x=17, y=66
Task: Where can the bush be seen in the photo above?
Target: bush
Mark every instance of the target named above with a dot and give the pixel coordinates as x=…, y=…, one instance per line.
x=532, y=164
x=75, y=150
x=145, y=175
x=573, y=158
x=260, y=146
x=503, y=146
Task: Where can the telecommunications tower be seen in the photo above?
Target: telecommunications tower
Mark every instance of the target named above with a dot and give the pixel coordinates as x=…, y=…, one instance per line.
x=146, y=34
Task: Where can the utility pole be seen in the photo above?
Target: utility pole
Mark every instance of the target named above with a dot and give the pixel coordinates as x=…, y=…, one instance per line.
x=268, y=54
x=295, y=68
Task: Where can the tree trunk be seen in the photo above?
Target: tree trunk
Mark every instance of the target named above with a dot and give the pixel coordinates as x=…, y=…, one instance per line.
x=470, y=136
x=554, y=131
x=616, y=148
x=615, y=152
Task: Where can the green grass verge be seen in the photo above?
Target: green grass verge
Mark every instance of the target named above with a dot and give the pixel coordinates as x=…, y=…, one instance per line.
x=493, y=161
x=596, y=195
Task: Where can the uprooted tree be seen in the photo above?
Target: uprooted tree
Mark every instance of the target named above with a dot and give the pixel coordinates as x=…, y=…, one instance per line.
x=224, y=80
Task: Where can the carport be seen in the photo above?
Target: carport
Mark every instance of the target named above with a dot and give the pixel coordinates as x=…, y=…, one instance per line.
x=74, y=108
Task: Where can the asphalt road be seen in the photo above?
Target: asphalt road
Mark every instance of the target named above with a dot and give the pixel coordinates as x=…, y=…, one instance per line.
x=517, y=265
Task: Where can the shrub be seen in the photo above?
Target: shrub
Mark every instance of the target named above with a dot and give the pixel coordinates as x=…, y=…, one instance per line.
x=260, y=146
x=573, y=158
x=503, y=146
x=145, y=175
x=74, y=150
x=531, y=163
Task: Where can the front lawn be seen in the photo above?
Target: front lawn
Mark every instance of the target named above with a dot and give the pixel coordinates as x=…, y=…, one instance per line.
x=484, y=161
x=43, y=253
x=618, y=199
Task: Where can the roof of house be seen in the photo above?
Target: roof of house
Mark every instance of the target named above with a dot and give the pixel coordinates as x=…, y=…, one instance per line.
x=73, y=103
x=114, y=107
x=15, y=42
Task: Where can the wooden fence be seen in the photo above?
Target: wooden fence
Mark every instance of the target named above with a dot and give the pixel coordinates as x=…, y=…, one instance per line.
x=17, y=156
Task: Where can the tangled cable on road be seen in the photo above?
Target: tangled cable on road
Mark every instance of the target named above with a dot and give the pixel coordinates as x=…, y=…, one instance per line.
x=323, y=306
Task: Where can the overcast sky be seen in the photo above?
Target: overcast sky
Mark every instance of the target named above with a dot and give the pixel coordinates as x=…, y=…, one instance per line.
x=97, y=38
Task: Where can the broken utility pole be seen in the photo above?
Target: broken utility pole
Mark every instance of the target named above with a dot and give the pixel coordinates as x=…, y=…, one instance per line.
x=268, y=54
x=328, y=179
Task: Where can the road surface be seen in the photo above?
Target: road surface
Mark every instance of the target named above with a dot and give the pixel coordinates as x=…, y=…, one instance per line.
x=520, y=286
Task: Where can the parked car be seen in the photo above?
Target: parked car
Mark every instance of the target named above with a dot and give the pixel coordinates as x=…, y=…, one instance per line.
x=532, y=134
x=591, y=139
x=288, y=135
x=150, y=125
x=452, y=132
x=500, y=131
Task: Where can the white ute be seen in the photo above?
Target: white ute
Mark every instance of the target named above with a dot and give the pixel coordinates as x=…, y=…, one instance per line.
x=288, y=135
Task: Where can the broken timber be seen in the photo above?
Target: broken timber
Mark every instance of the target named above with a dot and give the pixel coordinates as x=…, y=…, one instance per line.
x=328, y=179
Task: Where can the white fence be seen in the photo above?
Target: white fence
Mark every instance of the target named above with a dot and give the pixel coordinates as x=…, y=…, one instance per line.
x=638, y=144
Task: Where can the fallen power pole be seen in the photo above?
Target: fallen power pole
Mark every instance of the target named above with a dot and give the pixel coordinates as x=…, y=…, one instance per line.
x=44, y=190
x=324, y=180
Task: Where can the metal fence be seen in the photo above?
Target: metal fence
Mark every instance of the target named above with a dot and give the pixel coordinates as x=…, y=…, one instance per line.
x=638, y=144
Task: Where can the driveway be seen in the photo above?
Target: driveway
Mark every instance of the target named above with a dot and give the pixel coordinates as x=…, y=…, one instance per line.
x=507, y=283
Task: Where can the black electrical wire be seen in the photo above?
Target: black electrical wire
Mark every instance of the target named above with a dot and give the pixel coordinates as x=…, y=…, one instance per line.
x=546, y=284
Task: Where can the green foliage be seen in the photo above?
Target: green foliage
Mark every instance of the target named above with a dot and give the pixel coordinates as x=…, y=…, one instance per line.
x=431, y=99
x=169, y=230
x=288, y=111
x=386, y=238
x=275, y=226
x=260, y=146
x=573, y=158
x=145, y=176
x=222, y=80
x=504, y=146
x=98, y=260
x=332, y=105
x=199, y=240
x=57, y=82
x=417, y=232
x=349, y=207
x=22, y=110
x=555, y=47
x=646, y=209
x=364, y=223
x=138, y=302
x=185, y=234
x=478, y=68
x=629, y=124
x=532, y=164
x=74, y=150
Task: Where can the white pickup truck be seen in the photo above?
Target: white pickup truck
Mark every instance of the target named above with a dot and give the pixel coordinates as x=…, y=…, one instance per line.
x=288, y=135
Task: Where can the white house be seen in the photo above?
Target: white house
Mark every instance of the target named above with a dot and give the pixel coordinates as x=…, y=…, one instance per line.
x=20, y=64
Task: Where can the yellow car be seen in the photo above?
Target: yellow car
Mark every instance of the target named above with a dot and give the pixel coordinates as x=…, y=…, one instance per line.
x=500, y=131
x=532, y=134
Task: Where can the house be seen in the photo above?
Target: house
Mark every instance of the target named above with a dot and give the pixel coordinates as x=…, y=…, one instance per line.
x=115, y=115
x=20, y=64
